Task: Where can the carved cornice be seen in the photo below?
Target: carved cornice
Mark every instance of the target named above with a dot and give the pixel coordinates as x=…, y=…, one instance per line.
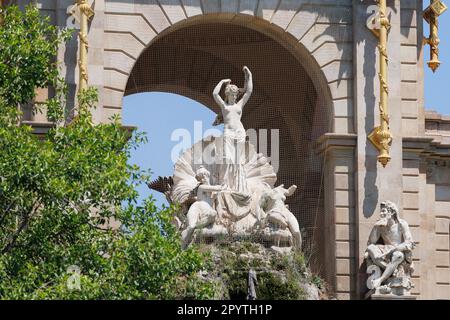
x=333, y=141
x=426, y=147
x=435, y=117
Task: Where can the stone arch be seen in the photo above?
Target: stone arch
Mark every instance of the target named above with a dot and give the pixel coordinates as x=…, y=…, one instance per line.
x=318, y=34
x=315, y=38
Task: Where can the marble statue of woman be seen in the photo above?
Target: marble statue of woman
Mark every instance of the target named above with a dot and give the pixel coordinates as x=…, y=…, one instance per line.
x=234, y=133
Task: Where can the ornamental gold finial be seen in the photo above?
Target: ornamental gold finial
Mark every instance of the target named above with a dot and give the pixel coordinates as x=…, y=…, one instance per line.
x=431, y=14
x=381, y=136
x=85, y=14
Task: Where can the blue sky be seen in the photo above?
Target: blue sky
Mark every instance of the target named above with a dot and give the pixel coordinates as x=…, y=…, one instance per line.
x=437, y=84
x=160, y=114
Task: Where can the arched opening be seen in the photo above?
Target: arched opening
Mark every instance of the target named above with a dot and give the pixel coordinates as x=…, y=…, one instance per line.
x=153, y=114
x=289, y=96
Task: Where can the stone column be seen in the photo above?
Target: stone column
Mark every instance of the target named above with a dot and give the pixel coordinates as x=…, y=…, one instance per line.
x=340, y=230
x=375, y=183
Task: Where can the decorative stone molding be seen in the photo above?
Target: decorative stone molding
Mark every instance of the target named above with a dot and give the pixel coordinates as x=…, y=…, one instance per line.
x=335, y=140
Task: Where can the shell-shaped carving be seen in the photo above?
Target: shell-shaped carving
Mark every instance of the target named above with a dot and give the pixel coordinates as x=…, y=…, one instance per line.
x=259, y=173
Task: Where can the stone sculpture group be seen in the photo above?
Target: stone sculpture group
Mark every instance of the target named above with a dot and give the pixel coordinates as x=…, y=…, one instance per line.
x=226, y=190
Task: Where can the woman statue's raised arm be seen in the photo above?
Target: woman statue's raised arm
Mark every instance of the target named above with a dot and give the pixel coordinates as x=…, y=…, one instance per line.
x=248, y=86
x=216, y=92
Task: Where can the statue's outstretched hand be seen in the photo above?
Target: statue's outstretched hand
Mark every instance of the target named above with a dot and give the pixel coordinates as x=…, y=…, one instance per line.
x=291, y=190
x=246, y=72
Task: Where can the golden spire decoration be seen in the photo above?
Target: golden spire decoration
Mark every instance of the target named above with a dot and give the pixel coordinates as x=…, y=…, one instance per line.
x=85, y=14
x=381, y=136
x=431, y=14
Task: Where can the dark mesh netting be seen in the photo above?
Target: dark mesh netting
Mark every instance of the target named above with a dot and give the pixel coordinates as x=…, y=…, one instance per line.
x=192, y=60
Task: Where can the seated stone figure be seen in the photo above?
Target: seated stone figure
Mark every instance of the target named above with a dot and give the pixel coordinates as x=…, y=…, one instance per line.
x=201, y=213
x=278, y=223
x=389, y=253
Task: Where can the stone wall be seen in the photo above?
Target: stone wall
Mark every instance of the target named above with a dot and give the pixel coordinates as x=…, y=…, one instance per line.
x=411, y=68
x=437, y=191
x=340, y=220
x=426, y=188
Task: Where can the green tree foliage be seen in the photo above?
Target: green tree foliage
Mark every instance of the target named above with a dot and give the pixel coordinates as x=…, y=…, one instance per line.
x=59, y=195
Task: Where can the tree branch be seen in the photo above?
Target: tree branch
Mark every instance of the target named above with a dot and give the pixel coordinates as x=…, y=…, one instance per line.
x=23, y=226
x=5, y=213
